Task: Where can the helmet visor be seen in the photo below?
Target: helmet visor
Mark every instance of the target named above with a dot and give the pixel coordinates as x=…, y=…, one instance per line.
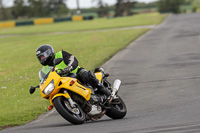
x=43, y=56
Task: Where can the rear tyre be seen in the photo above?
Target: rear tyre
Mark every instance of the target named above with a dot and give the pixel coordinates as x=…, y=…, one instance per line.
x=118, y=109
x=73, y=115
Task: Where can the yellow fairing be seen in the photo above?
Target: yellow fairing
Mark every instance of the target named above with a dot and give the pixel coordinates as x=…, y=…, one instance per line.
x=63, y=83
x=99, y=76
x=66, y=95
x=52, y=76
x=76, y=87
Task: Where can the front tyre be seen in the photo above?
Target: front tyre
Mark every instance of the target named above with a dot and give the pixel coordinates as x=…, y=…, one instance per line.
x=118, y=109
x=73, y=115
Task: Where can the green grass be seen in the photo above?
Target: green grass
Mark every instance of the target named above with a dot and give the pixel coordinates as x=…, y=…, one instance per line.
x=103, y=23
x=19, y=67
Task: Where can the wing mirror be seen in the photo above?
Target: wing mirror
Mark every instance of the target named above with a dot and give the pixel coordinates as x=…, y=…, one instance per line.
x=32, y=89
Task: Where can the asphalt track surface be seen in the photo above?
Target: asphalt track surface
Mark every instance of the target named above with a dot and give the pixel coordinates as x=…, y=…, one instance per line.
x=160, y=75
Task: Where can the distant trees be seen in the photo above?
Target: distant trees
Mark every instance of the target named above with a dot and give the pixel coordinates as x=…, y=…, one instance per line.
x=57, y=7
x=39, y=8
x=54, y=8
x=2, y=9
x=103, y=10
x=170, y=5
x=123, y=7
x=19, y=9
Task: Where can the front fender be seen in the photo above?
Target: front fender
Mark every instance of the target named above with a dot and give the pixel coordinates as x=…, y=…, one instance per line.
x=66, y=95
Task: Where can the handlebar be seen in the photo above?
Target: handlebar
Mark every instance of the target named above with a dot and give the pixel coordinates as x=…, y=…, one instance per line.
x=62, y=72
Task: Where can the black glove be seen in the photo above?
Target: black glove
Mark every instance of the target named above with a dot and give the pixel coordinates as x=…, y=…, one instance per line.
x=68, y=69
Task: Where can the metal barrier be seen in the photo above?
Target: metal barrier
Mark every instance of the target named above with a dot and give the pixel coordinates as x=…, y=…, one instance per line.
x=44, y=21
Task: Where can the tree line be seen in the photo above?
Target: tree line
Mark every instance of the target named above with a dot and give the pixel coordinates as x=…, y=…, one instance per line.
x=170, y=5
x=125, y=7
x=57, y=8
x=34, y=8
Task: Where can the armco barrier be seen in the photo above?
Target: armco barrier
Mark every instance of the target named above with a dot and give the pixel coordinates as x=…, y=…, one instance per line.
x=77, y=18
x=62, y=19
x=44, y=21
x=7, y=24
x=88, y=17
x=24, y=23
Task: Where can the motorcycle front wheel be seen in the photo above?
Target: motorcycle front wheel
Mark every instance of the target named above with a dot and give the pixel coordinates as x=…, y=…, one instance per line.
x=118, y=109
x=73, y=115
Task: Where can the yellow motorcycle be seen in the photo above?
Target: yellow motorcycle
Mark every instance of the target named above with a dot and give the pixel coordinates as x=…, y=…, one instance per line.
x=78, y=102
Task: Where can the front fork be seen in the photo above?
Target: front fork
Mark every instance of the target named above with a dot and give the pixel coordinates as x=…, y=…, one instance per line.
x=66, y=95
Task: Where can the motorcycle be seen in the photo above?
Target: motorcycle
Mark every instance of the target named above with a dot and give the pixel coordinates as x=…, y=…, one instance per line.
x=78, y=102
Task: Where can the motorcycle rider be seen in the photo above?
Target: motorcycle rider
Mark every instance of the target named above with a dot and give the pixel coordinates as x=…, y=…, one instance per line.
x=46, y=55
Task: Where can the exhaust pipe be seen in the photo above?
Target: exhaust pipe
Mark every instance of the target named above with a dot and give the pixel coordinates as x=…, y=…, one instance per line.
x=115, y=87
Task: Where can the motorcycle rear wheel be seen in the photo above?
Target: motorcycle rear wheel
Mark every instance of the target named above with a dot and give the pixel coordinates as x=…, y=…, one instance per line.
x=75, y=116
x=117, y=111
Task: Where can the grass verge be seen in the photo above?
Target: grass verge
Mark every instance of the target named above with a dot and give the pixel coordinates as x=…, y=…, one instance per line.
x=19, y=67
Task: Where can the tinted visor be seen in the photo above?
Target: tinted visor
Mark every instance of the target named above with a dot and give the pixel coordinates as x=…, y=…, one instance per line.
x=43, y=56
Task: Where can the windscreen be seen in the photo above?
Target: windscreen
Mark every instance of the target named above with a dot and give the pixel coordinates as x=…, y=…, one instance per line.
x=44, y=72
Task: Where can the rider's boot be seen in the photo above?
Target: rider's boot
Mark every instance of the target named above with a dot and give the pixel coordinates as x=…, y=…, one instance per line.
x=89, y=77
x=96, y=84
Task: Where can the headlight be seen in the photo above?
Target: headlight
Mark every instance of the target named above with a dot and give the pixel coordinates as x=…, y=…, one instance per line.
x=49, y=88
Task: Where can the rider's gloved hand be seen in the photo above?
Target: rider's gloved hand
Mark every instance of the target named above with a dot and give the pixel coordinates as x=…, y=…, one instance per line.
x=68, y=69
